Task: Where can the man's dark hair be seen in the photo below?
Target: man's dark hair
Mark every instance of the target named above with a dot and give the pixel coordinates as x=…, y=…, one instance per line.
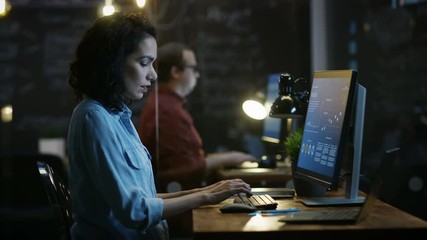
x=168, y=56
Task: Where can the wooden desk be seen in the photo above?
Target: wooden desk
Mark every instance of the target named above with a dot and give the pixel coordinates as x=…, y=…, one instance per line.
x=259, y=177
x=384, y=221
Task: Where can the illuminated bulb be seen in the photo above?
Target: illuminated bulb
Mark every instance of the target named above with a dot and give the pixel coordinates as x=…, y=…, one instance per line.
x=7, y=113
x=254, y=109
x=140, y=3
x=108, y=10
x=4, y=7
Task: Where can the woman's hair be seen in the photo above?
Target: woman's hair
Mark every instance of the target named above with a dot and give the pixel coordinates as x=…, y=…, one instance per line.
x=168, y=56
x=97, y=70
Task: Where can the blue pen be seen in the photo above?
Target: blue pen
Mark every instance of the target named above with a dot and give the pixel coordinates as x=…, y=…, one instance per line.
x=274, y=212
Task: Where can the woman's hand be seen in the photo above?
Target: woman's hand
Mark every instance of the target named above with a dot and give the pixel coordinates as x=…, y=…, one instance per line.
x=212, y=194
x=224, y=189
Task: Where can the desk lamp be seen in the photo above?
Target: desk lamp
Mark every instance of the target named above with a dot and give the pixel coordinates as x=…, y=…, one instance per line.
x=254, y=107
x=293, y=98
x=291, y=104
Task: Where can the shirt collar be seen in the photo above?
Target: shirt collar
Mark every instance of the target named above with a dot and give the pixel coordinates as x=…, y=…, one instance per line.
x=125, y=113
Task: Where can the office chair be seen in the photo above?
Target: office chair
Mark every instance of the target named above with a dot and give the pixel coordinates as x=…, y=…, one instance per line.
x=25, y=211
x=59, y=198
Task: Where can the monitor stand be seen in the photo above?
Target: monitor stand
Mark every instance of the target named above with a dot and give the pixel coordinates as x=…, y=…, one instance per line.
x=352, y=182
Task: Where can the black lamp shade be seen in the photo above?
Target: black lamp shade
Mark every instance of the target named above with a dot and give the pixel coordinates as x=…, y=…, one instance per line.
x=287, y=106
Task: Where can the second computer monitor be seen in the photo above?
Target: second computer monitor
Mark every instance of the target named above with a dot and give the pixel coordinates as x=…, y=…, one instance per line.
x=272, y=127
x=330, y=115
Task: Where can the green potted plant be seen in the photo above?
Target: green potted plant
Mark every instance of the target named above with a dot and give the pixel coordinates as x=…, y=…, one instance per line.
x=293, y=145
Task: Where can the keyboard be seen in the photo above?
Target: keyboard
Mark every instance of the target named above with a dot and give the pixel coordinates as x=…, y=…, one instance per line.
x=260, y=201
x=343, y=216
x=275, y=192
x=337, y=214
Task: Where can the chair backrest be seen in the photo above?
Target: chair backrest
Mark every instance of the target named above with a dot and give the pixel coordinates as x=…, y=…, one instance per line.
x=59, y=197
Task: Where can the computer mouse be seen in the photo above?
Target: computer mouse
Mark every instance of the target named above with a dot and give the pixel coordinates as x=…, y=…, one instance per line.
x=237, y=208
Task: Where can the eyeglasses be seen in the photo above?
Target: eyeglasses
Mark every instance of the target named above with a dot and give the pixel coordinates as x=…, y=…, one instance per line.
x=193, y=68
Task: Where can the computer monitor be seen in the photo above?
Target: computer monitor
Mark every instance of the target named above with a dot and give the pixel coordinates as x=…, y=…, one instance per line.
x=333, y=125
x=272, y=130
x=272, y=127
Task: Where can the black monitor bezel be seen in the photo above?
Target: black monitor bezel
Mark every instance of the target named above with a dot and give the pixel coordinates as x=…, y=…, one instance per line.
x=332, y=182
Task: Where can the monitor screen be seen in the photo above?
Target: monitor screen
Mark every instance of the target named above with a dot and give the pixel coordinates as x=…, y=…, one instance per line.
x=327, y=126
x=272, y=126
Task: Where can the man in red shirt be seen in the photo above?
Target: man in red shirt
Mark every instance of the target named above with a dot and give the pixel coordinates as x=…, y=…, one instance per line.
x=179, y=160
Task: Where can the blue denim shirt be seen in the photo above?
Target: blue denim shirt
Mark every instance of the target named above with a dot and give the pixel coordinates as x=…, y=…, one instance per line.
x=111, y=178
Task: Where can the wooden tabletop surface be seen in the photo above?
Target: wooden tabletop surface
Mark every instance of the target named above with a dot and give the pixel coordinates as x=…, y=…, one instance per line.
x=210, y=223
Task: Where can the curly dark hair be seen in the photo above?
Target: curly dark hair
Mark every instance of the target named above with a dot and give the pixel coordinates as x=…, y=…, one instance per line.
x=97, y=70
